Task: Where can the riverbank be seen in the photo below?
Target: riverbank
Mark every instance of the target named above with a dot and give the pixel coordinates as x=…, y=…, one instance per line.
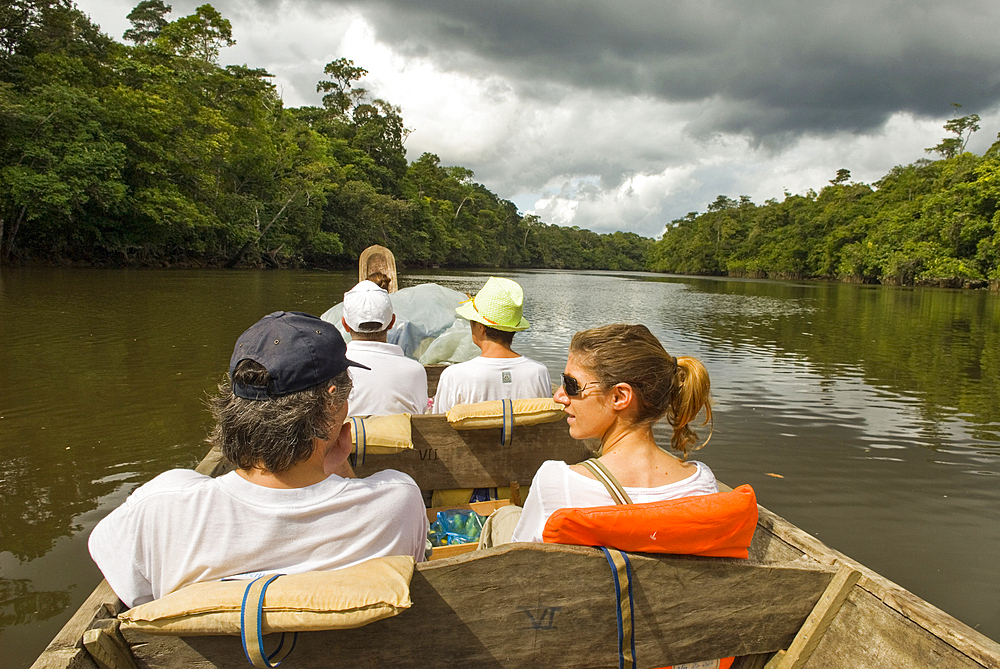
x=194, y=262
x=213, y=263
x=952, y=282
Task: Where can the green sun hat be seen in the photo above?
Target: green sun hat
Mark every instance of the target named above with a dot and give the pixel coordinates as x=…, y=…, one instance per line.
x=497, y=305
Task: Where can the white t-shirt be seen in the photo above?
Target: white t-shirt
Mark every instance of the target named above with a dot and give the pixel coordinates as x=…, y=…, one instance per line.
x=395, y=383
x=556, y=486
x=183, y=527
x=484, y=379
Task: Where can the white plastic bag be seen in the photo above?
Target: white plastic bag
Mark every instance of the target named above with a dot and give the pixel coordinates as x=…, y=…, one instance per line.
x=453, y=345
x=426, y=328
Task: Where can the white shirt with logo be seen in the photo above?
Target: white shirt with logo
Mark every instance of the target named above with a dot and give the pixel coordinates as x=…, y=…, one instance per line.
x=484, y=379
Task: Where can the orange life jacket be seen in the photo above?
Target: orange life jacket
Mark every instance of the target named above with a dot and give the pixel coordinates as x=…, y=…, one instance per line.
x=717, y=525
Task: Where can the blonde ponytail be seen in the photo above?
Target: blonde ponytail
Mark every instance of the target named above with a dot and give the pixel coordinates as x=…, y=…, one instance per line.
x=692, y=393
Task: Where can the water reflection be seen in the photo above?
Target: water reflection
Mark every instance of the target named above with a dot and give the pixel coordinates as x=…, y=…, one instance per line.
x=21, y=605
x=879, y=406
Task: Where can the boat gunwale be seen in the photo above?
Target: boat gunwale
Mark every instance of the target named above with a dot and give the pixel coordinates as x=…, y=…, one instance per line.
x=938, y=623
x=65, y=649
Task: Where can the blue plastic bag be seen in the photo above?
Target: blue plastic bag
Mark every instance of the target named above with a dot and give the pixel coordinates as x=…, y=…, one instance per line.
x=456, y=526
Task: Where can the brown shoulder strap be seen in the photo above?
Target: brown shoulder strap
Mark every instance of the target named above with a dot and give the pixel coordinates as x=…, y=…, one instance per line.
x=602, y=474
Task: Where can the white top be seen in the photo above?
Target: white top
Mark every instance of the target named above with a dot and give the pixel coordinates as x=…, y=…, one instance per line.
x=556, y=486
x=183, y=527
x=484, y=379
x=395, y=383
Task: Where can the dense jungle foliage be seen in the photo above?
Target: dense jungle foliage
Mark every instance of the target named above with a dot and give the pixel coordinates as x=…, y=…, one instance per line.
x=153, y=153
x=928, y=223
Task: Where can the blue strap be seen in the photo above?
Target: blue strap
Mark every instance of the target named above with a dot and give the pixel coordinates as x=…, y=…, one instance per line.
x=251, y=626
x=507, y=427
x=621, y=570
x=360, y=442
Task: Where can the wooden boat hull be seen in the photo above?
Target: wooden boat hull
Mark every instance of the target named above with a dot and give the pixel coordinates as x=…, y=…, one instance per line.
x=553, y=606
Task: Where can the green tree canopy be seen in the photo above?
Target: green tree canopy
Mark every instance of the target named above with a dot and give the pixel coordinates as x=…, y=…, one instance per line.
x=201, y=35
x=148, y=20
x=155, y=153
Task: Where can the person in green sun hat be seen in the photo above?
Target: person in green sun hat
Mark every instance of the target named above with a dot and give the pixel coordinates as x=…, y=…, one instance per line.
x=500, y=373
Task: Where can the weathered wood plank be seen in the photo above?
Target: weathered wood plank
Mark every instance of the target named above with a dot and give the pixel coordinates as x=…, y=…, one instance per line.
x=108, y=648
x=875, y=628
x=433, y=376
x=442, y=552
x=751, y=661
x=767, y=547
x=968, y=641
x=553, y=606
x=868, y=634
x=443, y=457
x=66, y=651
x=214, y=463
x=65, y=658
x=819, y=619
x=800, y=542
x=954, y=633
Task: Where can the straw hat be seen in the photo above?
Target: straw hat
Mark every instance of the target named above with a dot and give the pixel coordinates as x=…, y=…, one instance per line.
x=497, y=305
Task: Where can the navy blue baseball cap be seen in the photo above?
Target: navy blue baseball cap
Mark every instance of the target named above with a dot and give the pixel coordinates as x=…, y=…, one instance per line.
x=298, y=350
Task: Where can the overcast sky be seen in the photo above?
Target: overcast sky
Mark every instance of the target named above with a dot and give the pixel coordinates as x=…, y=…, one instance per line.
x=625, y=115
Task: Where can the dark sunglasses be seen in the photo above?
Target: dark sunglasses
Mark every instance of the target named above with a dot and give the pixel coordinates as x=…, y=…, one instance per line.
x=572, y=386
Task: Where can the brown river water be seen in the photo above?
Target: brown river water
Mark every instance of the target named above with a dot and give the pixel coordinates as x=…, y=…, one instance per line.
x=869, y=416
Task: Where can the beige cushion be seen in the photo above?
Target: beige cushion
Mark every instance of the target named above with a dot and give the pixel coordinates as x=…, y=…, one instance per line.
x=482, y=415
x=385, y=434
x=315, y=600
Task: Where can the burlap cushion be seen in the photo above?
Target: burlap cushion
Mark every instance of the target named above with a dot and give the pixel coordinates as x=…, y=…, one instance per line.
x=384, y=434
x=315, y=600
x=482, y=415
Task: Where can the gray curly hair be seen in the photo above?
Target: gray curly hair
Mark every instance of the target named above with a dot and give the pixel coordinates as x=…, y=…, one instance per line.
x=277, y=433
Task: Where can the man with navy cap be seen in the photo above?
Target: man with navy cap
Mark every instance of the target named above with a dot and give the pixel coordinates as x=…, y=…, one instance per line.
x=291, y=505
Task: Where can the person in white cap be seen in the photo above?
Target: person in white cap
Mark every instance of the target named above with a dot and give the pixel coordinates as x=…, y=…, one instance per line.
x=394, y=383
x=494, y=315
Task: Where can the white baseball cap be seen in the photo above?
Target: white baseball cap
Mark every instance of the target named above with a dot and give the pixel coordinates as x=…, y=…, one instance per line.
x=367, y=303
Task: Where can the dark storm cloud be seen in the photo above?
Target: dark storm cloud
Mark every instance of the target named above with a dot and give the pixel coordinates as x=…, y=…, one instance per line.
x=770, y=69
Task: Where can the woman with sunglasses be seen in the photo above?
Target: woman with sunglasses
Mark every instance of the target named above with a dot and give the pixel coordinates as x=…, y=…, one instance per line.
x=619, y=382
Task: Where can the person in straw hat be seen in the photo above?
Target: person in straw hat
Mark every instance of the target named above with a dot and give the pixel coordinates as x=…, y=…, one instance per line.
x=494, y=315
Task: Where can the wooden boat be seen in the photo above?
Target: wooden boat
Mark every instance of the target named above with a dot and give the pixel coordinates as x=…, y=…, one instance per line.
x=794, y=603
